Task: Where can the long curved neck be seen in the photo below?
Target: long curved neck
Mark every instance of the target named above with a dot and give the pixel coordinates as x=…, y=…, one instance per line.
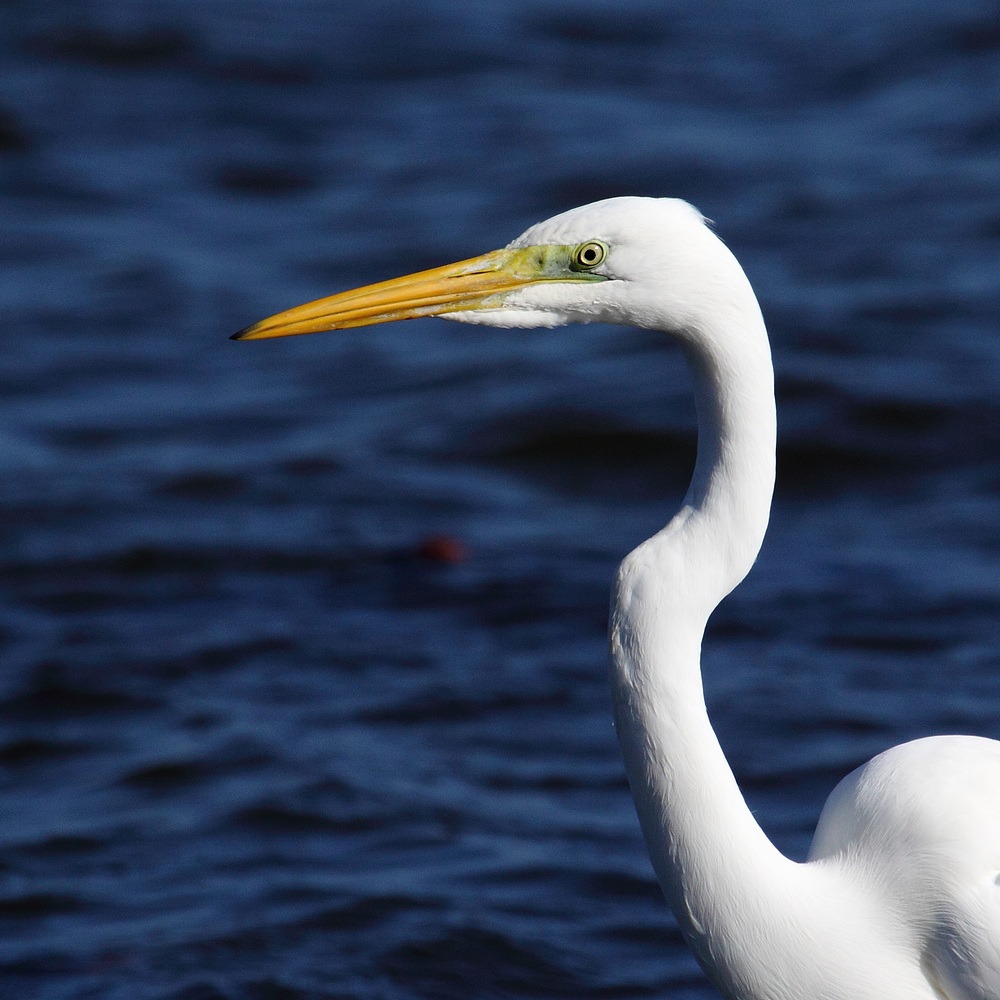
x=711, y=858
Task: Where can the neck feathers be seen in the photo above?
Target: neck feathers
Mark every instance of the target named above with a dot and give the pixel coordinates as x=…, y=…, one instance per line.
x=690, y=807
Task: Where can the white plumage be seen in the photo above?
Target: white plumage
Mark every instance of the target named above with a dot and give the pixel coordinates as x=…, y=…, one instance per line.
x=900, y=898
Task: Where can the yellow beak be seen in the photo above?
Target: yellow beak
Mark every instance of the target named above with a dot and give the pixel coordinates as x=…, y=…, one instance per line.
x=477, y=283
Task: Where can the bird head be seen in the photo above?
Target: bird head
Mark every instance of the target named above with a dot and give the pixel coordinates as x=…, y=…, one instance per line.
x=613, y=261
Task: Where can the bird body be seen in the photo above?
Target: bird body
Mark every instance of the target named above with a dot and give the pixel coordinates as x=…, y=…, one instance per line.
x=899, y=899
x=919, y=827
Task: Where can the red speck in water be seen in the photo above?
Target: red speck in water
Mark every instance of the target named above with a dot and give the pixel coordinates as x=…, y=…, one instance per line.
x=443, y=549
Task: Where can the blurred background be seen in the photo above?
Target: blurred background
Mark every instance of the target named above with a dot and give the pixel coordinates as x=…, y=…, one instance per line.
x=302, y=643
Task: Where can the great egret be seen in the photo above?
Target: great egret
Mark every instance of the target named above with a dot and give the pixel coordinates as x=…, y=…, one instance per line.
x=900, y=897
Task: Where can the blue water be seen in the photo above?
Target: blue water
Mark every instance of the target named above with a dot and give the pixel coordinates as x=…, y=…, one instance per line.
x=302, y=655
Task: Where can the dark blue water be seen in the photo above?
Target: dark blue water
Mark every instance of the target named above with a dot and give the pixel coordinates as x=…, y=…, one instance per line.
x=302, y=643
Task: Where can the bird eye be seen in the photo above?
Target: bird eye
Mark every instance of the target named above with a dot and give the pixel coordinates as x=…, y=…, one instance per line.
x=588, y=255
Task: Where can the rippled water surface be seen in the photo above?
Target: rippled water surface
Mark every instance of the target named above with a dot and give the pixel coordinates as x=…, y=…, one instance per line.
x=302, y=655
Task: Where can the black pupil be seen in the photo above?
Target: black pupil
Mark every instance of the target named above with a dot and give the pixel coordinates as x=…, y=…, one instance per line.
x=588, y=255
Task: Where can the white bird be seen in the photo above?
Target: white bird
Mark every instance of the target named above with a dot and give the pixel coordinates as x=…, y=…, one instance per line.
x=900, y=897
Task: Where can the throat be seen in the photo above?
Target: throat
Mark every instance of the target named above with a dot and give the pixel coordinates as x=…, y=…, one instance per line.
x=728, y=502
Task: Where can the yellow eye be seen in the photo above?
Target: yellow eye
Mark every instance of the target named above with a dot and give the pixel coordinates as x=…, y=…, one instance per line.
x=588, y=255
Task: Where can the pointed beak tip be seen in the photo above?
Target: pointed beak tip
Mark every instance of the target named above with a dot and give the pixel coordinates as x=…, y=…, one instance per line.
x=250, y=332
